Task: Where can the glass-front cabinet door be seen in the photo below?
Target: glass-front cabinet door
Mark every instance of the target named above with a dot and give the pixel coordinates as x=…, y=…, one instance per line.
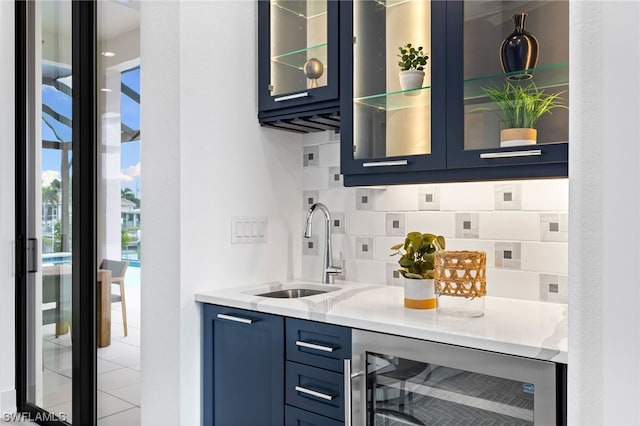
x=394, y=93
x=298, y=49
x=491, y=100
x=512, y=105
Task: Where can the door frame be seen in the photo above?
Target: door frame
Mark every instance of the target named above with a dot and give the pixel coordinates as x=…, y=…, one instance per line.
x=84, y=163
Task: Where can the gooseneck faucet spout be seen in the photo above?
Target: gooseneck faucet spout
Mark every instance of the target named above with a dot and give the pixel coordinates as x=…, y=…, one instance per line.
x=329, y=270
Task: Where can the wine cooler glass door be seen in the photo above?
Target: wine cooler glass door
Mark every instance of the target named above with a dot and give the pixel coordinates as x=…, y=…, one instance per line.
x=413, y=382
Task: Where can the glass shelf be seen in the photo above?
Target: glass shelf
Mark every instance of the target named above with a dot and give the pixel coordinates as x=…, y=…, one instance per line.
x=400, y=99
x=310, y=9
x=546, y=76
x=297, y=58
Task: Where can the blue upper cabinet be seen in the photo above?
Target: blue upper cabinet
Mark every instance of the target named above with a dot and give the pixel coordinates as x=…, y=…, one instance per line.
x=446, y=128
x=518, y=53
x=392, y=128
x=298, y=72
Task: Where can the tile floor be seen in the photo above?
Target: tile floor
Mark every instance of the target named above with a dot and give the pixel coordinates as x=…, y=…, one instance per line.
x=17, y=421
x=118, y=365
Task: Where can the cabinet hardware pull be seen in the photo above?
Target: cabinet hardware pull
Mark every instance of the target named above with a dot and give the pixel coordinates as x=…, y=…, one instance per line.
x=385, y=163
x=348, y=376
x=510, y=154
x=294, y=96
x=315, y=393
x=236, y=319
x=314, y=346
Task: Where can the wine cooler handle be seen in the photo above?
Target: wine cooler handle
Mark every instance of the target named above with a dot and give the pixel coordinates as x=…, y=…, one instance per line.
x=347, y=392
x=348, y=377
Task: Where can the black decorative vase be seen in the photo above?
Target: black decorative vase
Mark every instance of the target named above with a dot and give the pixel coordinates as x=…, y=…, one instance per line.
x=519, y=51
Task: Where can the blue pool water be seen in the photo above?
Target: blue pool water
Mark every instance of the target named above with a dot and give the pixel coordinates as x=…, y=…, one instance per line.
x=61, y=258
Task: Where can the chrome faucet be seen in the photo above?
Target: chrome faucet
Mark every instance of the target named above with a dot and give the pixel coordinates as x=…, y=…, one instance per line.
x=329, y=270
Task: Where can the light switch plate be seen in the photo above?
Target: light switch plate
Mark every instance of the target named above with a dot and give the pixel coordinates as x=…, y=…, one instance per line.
x=248, y=229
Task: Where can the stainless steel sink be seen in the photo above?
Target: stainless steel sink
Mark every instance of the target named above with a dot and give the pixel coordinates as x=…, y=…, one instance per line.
x=293, y=293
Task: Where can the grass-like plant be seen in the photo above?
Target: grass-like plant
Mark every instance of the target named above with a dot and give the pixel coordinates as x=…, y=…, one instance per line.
x=412, y=58
x=417, y=260
x=521, y=107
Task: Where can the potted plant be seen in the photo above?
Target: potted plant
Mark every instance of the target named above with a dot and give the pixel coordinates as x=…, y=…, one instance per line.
x=519, y=108
x=412, y=63
x=416, y=267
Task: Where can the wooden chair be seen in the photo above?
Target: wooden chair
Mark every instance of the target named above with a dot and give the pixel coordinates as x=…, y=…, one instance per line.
x=56, y=288
x=118, y=270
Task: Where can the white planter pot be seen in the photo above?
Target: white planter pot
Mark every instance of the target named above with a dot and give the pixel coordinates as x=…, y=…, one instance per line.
x=419, y=294
x=518, y=137
x=411, y=79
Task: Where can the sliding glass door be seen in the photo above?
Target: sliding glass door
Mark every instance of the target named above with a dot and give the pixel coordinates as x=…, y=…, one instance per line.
x=56, y=210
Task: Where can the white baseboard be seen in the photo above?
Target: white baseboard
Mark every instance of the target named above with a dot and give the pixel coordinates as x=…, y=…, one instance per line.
x=8, y=401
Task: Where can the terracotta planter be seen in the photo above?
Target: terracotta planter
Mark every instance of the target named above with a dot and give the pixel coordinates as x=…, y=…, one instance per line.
x=419, y=294
x=411, y=79
x=518, y=137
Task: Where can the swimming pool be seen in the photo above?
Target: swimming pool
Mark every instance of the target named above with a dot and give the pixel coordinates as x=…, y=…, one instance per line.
x=59, y=258
x=62, y=258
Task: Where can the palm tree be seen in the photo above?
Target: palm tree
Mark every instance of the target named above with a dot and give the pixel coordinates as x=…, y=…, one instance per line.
x=128, y=194
x=50, y=203
x=51, y=193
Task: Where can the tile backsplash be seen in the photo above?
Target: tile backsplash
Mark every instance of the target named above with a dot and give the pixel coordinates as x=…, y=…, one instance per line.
x=521, y=225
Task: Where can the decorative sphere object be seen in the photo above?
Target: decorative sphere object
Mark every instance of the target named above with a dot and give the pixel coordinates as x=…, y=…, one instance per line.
x=313, y=68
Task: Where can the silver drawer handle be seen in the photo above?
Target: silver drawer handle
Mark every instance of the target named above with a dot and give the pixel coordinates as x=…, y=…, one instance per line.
x=294, y=96
x=510, y=154
x=315, y=393
x=236, y=319
x=385, y=163
x=314, y=346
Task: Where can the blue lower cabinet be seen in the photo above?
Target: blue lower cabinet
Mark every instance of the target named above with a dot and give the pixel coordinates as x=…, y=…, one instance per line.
x=316, y=390
x=243, y=367
x=296, y=417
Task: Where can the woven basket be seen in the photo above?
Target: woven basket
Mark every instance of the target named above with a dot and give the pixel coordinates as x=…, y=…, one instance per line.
x=460, y=273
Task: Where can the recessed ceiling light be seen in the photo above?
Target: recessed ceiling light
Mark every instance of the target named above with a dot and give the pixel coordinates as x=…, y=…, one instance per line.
x=104, y=89
x=108, y=54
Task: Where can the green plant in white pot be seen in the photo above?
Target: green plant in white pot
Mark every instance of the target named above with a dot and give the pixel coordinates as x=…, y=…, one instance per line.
x=416, y=266
x=519, y=108
x=412, y=63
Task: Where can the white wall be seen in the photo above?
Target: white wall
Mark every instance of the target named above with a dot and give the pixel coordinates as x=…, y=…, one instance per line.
x=7, y=203
x=604, y=321
x=204, y=158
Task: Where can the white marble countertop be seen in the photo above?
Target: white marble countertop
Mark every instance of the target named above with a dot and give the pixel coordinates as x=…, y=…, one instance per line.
x=517, y=327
